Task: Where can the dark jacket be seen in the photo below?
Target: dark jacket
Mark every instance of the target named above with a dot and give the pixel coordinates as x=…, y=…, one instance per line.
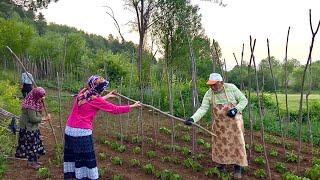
x=30, y=119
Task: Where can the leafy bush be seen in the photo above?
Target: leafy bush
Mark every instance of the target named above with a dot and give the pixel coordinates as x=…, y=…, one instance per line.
x=273, y=153
x=259, y=160
x=2, y=169
x=136, y=150
x=183, y=127
x=212, y=172
x=43, y=172
x=199, y=156
x=291, y=157
x=200, y=141
x=102, y=140
x=260, y=173
x=8, y=101
x=7, y=140
x=117, y=147
x=280, y=167
x=247, y=146
x=185, y=151
x=258, y=148
x=315, y=161
x=102, y=156
x=121, y=136
x=207, y=146
x=135, y=139
x=165, y=130
x=101, y=171
x=134, y=162
x=272, y=139
x=288, y=145
x=313, y=173
x=186, y=138
x=149, y=169
x=116, y=160
x=116, y=177
x=167, y=175
x=121, y=148
x=177, y=147
x=167, y=147
x=170, y=159
x=195, y=166
x=151, y=154
x=114, y=145
x=150, y=140
x=290, y=176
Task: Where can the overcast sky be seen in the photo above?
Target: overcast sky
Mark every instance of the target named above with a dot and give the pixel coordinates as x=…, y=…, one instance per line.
x=230, y=26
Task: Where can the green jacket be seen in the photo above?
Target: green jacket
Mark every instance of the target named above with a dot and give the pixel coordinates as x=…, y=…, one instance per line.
x=30, y=119
x=235, y=96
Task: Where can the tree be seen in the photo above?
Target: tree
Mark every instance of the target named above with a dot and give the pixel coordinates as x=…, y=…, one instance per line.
x=33, y=5
x=144, y=10
x=16, y=35
x=264, y=74
x=41, y=24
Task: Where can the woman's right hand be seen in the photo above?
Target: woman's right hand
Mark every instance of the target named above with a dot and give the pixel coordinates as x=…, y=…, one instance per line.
x=136, y=104
x=46, y=118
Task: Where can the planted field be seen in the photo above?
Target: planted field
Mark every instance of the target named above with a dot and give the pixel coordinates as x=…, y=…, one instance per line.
x=294, y=100
x=125, y=151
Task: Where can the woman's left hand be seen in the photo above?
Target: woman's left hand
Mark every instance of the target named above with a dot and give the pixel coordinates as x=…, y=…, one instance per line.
x=110, y=95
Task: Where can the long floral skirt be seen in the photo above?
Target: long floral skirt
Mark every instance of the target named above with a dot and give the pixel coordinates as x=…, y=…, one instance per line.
x=29, y=145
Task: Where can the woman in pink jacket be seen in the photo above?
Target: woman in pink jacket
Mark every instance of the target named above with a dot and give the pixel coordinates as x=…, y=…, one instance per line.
x=79, y=156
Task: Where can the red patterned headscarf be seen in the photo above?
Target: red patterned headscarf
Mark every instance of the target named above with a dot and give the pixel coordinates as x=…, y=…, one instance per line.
x=33, y=99
x=95, y=86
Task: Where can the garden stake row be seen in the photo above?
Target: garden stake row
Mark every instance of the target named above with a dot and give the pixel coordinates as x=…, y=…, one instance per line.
x=308, y=109
x=249, y=108
x=287, y=119
x=314, y=33
x=241, y=64
x=275, y=92
x=252, y=46
x=59, y=97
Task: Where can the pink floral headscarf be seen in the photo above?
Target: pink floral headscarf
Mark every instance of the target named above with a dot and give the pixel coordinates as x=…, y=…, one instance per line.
x=32, y=101
x=95, y=86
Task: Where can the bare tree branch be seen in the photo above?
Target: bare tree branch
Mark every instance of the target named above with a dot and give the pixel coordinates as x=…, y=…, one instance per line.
x=116, y=24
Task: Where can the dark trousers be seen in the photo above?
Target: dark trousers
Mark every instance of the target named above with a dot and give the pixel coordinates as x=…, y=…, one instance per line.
x=26, y=88
x=237, y=168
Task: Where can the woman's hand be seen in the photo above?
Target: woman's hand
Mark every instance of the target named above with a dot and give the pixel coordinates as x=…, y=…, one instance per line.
x=47, y=118
x=136, y=104
x=110, y=95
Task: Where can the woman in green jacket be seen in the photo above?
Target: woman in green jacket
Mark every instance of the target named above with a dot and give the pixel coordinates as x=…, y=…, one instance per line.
x=29, y=144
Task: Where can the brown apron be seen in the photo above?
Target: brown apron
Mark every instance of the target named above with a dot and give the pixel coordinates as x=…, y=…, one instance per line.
x=229, y=145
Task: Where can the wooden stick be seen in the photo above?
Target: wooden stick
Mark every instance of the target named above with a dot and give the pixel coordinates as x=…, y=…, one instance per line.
x=275, y=92
x=166, y=114
x=287, y=119
x=235, y=58
x=259, y=107
x=314, y=33
x=241, y=64
x=59, y=97
x=14, y=158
